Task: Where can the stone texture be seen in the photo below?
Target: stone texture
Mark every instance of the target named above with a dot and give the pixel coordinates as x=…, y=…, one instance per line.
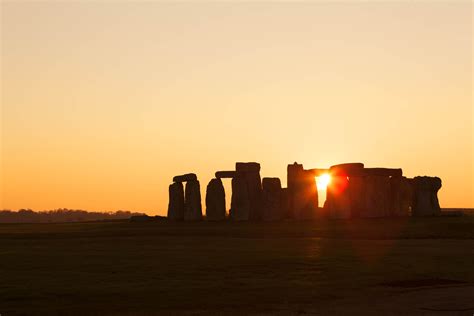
x=377, y=197
x=272, y=200
x=247, y=167
x=407, y=192
x=285, y=203
x=192, y=201
x=225, y=174
x=250, y=171
x=347, y=169
x=357, y=192
x=338, y=198
x=185, y=177
x=383, y=172
x=318, y=172
x=395, y=196
x=215, y=201
x=401, y=196
x=425, y=202
x=176, y=202
x=302, y=191
x=240, y=203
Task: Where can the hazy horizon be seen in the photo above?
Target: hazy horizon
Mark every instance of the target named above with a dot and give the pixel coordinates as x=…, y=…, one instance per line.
x=103, y=103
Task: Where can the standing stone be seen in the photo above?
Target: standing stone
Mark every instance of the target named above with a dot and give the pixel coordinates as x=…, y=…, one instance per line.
x=347, y=169
x=401, y=196
x=215, y=201
x=250, y=171
x=285, y=203
x=272, y=207
x=339, y=198
x=425, y=201
x=357, y=196
x=240, y=203
x=302, y=191
x=407, y=192
x=176, y=202
x=395, y=196
x=377, y=197
x=192, y=201
x=185, y=177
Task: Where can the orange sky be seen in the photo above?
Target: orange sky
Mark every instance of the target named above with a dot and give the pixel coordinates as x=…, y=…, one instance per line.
x=102, y=103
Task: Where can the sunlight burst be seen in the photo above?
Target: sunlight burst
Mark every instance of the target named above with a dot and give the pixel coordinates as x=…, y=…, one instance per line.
x=323, y=181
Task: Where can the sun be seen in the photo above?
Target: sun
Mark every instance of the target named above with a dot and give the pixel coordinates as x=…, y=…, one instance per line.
x=323, y=181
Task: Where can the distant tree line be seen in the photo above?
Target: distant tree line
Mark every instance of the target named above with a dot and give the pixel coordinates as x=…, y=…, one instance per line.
x=61, y=215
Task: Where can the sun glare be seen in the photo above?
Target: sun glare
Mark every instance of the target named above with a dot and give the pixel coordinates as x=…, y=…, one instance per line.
x=323, y=181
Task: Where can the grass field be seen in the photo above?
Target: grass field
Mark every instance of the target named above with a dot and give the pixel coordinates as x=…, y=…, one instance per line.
x=405, y=266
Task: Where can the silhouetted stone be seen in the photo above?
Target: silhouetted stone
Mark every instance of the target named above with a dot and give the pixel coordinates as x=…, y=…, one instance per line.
x=302, y=191
x=240, y=203
x=407, y=193
x=357, y=196
x=426, y=196
x=185, y=177
x=225, y=174
x=383, y=172
x=285, y=203
x=377, y=195
x=247, y=167
x=347, y=169
x=250, y=171
x=176, y=202
x=338, y=198
x=192, y=201
x=272, y=208
x=316, y=172
x=401, y=196
x=215, y=201
x=395, y=196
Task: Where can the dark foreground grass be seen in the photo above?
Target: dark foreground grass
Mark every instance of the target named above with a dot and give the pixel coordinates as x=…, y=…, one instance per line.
x=321, y=267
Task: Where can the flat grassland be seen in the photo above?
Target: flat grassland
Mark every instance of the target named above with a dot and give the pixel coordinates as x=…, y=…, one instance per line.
x=405, y=266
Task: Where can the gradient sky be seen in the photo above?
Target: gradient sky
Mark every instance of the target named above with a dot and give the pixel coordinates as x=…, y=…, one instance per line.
x=104, y=102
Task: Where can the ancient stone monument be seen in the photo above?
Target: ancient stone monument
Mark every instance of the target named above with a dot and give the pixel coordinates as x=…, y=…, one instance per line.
x=246, y=201
x=215, y=200
x=176, y=202
x=240, y=202
x=192, y=201
x=354, y=191
x=272, y=199
x=425, y=200
x=302, y=192
x=185, y=205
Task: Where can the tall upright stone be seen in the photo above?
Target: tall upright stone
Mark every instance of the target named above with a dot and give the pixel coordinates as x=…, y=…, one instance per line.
x=339, y=198
x=401, y=196
x=302, y=191
x=250, y=171
x=192, y=201
x=425, y=202
x=176, y=202
x=395, y=196
x=407, y=193
x=377, y=194
x=240, y=202
x=272, y=199
x=285, y=203
x=215, y=201
x=357, y=192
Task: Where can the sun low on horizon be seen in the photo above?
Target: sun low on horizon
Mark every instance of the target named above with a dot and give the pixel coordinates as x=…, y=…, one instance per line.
x=323, y=181
x=104, y=102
